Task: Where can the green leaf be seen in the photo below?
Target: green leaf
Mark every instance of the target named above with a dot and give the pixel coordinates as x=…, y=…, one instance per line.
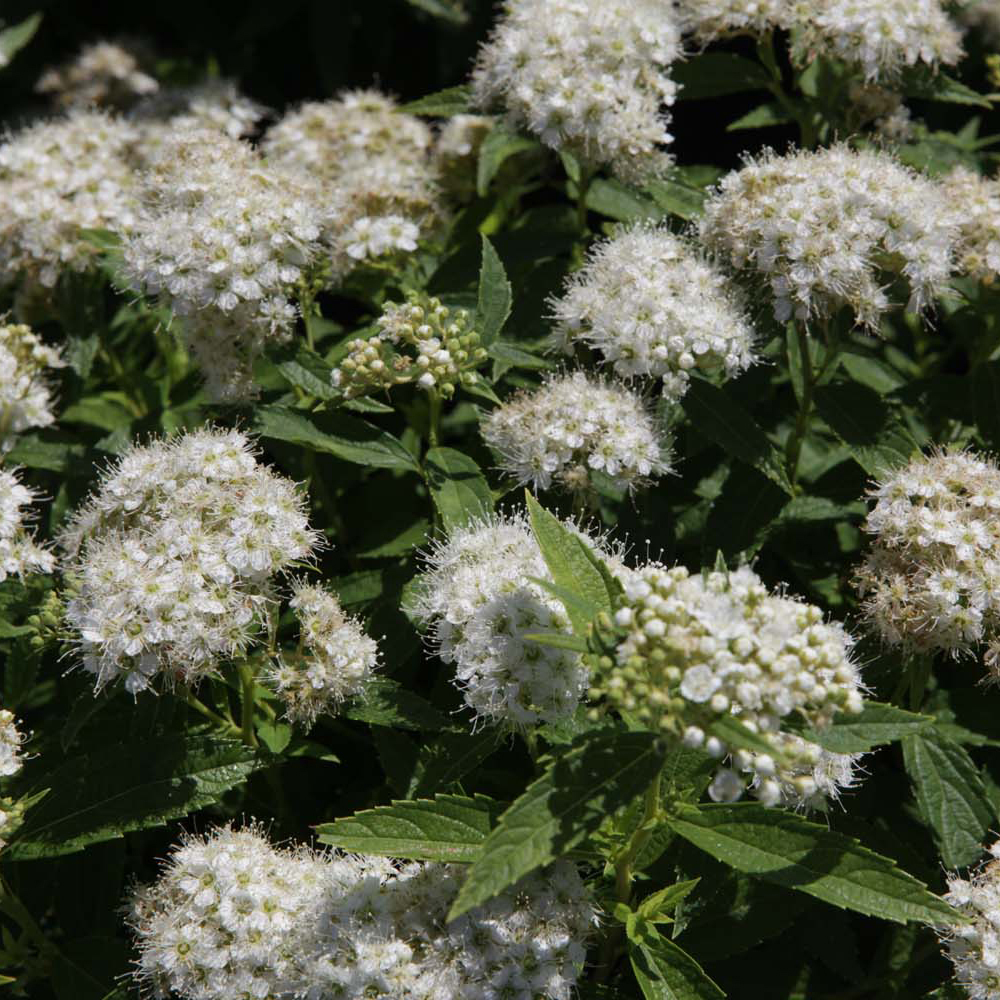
x=498, y=147
x=723, y=420
x=665, y=971
x=734, y=734
x=571, y=799
x=449, y=828
x=859, y=416
x=447, y=11
x=790, y=851
x=666, y=899
x=565, y=556
x=677, y=198
x=744, y=512
x=128, y=786
x=387, y=703
x=617, y=201
x=515, y=356
x=449, y=759
x=460, y=491
x=936, y=86
x=442, y=104
x=36, y=452
x=764, y=116
x=950, y=795
x=307, y=370
x=495, y=295
x=877, y=725
x=349, y=438
x=14, y=38
x=715, y=74
x=559, y=640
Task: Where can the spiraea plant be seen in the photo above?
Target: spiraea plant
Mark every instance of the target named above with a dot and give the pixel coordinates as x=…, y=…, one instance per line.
x=500, y=502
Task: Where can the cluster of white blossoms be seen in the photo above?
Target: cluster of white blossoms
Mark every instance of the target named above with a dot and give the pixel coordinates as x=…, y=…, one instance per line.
x=225, y=243
x=974, y=947
x=57, y=178
x=931, y=580
x=703, y=647
x=11, y=741
x=334, y=661
x=420, y=341
x=372, y=165
x=976, y=201
x=652, y=307
x=172, y=558
x=217, y=105
x=826, y=227
x=19, y=552
x=25, y=395
x=103, y=74
x=478, y=604
x=591, y=77
x=881, y=37
x=573, y=425
x=456, y=151
x=233, y=916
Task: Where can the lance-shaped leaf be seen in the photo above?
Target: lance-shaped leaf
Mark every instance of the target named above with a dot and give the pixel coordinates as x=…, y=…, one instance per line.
x=460, y=491
x=495, y=296
x=665, y=971
x=877, y=725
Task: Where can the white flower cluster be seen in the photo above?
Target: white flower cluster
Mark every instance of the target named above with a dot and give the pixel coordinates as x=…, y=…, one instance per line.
x=104, y=74
x=654, y=308
x=881, y=37
x=974, y=947
x=823, y=227
x=233, y=916
x=173, y=557
x=572, y=425
x=420, y=341
x=698, y=648
x=25, y=397
x=976, y=201
x=371, y=163
x=932, y=578
x=334, y=662
x=224, y=242
x=591, y=77
x=19, y=553
x=982, y=17
x=216, y=105
x=11, y=740
x=56, y=178
x=478, y=603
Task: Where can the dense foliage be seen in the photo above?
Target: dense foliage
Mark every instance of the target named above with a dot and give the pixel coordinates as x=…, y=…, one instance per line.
x=499, y=503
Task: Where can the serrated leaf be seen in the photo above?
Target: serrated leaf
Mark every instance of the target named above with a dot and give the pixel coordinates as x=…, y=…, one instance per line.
x=859, y=416
x=54, y=455
x=790, y=851
x=877, y=725
x=573, y=797
x=442, y=104
x=563, y=552
x=715, y=74
x=665, y=971
x=133, y=786
x=449, y=759
x=495, y=296
x=725, y=421
x=458, y=487
x=677, y=198
x=387, y=703
x=447, y=828
x=666, y=899
x=309, y=372
x=619, y=202
x=936, y=86
x=348, y=438
x=14, y=38
x=498, y=147
x=950, y=794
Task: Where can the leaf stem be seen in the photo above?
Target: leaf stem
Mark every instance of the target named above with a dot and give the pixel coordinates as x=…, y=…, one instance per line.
x=434, y=420
x=190, y=698
x=794, y=447
x=248, y=683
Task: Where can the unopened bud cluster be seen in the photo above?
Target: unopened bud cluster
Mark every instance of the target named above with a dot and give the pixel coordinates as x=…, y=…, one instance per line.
x=25, y=396
x=974, y=947
x=334, y=662
x=699, y=648
x=653, y=307
x=20, y=554
x=479, y=604
x=591, y=77
x=827, y=228
x=931, y=580
x=419, y=341
x=574, y=425
x=174, y=555
x=232, y=916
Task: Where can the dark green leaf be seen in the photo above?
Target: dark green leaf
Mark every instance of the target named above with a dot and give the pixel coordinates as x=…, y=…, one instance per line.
x=936, y=86
x=387, y=703
x=715, y=74
x=498, y=146
x=574, y=796
x=986, y=398
x=677, y=198
x=616, y=201
x=665, y=971
x=877, y=724
x=443, y=104
x=764, y=116
x=495, y=295
x=460, y=491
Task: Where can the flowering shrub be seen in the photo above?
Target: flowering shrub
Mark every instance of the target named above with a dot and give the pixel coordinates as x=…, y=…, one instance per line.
x=500, y=501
